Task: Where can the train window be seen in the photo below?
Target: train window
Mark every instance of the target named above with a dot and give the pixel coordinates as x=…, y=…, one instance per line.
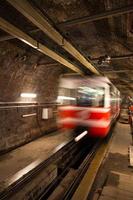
x=88, y=96
x=67, y=96
x=82, y=96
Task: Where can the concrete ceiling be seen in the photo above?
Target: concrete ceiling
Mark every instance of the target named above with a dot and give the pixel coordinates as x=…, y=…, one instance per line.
x=83, y=23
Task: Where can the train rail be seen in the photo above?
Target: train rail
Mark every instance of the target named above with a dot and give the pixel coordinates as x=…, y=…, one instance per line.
x=81, y=171
x=80, y=164
x=15, y=183
x=74, y=155
x=90, y=165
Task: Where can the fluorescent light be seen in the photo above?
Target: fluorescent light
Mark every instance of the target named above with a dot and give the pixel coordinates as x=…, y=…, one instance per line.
x=65, y=98
x=79, y=137
x=29, y=115
x=28, y=95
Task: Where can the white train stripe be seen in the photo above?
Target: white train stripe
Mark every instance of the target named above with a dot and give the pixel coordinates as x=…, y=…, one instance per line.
x=92, y=123
x=103, y=110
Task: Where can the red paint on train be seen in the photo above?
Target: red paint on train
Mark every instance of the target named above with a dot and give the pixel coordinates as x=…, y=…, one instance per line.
x=96, y=119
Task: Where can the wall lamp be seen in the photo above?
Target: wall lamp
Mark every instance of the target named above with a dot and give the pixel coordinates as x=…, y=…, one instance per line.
x=28, y=95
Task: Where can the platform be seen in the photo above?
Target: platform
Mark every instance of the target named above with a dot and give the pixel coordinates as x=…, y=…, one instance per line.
x=24, y=156
x=115, y=177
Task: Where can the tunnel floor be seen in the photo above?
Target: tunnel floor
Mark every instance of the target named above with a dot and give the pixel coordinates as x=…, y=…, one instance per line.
x=114, y=168
x=111, y=181
x=42, y=148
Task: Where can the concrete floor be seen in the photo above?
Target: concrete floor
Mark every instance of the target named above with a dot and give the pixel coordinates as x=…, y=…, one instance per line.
x=26, y=155
x=117, y=157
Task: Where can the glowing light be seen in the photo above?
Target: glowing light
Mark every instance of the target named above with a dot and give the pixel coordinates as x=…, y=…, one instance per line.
x=79, y=137
x=29, y=115
x=28, y=95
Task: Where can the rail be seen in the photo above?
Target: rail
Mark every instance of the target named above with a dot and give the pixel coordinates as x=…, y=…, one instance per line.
x=16, y=182
x=79, y=164
x=83, y=157
x=81, y=171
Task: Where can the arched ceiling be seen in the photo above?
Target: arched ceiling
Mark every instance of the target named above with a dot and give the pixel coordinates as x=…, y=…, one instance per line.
x=90, y=36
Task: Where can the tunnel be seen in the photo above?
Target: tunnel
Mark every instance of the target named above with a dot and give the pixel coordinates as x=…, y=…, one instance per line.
x=42, y=41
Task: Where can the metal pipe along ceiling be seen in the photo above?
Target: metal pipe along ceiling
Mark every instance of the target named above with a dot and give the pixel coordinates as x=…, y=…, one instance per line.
x=36, y=18
x=11, y=29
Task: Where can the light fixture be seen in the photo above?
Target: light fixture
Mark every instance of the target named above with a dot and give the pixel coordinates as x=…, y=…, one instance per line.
x=29, y=115
x=28, y=95
x=79, y=137
x=104, y=59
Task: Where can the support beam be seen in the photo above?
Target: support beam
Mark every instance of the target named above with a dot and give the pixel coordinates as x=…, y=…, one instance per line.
x=96, y=17
x=37, y=19
x=10, y=37
x=118, y=71
x=11, y=29
x=121, y=57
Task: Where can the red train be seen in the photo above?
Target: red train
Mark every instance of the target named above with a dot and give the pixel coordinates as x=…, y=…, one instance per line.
x=88, y=103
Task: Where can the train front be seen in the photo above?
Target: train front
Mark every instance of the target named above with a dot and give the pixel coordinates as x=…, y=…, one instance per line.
x=83, y=106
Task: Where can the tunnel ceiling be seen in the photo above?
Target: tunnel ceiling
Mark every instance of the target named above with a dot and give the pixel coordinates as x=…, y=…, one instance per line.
x=101, y=30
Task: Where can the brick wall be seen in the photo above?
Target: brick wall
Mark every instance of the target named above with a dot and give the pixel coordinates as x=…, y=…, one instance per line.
x=20, y=72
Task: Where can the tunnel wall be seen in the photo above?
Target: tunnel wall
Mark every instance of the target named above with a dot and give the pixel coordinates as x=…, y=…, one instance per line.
x=19, y=72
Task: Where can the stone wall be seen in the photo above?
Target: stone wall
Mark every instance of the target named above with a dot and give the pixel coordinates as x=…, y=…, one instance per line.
x=20, y=72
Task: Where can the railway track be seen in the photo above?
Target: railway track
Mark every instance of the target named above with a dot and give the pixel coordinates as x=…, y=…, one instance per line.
x=73, y=156
x=98, y=149
x=12, y=185
x=81, y=171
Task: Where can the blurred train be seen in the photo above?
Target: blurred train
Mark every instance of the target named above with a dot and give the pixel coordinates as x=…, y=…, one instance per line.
x=87, y=103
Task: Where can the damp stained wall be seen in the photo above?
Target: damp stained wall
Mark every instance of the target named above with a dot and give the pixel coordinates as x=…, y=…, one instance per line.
x=20, y=72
